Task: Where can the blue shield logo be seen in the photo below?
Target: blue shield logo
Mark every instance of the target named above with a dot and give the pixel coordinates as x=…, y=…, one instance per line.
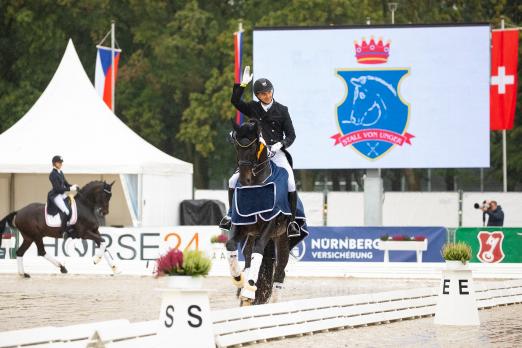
x=373, y=117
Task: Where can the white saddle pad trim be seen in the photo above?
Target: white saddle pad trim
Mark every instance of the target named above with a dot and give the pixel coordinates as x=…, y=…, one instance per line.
x=55, y=221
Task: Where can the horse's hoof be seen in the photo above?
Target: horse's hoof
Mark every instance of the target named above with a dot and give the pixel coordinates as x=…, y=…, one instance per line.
x=25, y=275
x=246, y=302
x=248, y=292
x=63, y=269
x=238, y=283
x=96, y=259
x=115, y=270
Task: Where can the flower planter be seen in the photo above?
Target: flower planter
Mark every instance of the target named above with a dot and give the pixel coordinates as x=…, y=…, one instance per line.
x=456, y=265
x=184, y=282
x=396, y=245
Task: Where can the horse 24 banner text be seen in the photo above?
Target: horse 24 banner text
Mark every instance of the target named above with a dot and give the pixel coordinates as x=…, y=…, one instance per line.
x=382, y=97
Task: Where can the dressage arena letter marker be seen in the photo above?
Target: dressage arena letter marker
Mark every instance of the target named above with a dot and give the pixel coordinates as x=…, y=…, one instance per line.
x=456, y=302
x=185, y=316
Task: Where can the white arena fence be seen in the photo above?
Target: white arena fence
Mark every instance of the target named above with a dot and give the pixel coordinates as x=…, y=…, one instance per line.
x=242, y=325
x=399, y=208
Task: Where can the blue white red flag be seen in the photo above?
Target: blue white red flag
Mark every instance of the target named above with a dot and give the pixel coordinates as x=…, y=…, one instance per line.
x=103, y=75
x=238, y=49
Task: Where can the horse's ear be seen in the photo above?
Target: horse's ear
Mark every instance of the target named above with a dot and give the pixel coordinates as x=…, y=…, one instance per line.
x=112, y=183
x=358, y=81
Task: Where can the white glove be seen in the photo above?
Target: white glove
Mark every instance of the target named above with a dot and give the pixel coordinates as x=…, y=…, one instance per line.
x=276, y=147
x=247, y=76
x=74, y=188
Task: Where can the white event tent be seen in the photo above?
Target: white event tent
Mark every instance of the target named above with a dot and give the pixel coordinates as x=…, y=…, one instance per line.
x=71, y=120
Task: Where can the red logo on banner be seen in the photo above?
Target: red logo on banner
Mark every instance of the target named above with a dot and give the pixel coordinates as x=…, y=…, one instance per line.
x=490, y=246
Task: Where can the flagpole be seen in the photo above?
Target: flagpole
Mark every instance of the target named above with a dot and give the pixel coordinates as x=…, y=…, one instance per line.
x=504, y=142
x=113, y=36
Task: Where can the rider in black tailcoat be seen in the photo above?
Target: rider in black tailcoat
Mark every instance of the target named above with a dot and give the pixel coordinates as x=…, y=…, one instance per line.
x=277, y=131
x=56, y=197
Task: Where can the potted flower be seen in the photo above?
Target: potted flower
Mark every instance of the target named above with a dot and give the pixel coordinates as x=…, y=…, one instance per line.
x=217, y=242
x=184, y=269
x=457, y=255
x=219, y=239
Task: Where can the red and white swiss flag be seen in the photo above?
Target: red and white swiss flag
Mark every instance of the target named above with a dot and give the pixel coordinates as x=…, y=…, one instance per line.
x=504, y=79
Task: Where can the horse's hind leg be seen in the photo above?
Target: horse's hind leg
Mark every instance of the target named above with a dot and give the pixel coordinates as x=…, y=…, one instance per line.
x=282, y=254
x=20, y=257
x=41, y=252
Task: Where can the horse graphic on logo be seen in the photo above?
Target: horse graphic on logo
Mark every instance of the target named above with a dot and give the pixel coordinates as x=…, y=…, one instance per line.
x=373, y=117
x=490, y=246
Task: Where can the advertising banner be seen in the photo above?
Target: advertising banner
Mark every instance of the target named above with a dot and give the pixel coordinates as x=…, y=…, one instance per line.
x=135, y=250
x=492, y=244
x=361, y=244
x=138, y=247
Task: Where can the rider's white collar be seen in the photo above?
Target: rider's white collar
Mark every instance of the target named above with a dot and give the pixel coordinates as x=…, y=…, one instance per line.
x=267, y=107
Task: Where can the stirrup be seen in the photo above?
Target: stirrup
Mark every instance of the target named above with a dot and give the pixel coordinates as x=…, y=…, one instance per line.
x=226, y=223
x=291, y=232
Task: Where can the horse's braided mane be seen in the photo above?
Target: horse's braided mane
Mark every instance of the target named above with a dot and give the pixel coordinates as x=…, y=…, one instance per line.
x=91, y=185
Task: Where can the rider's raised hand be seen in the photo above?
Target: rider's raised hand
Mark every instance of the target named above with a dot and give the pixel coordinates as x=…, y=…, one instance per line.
x=276, y=147
x=247, y=76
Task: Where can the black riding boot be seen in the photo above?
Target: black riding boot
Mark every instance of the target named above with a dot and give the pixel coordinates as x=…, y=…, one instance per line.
x=226, y=221
x=293, y=228
x=64, y=218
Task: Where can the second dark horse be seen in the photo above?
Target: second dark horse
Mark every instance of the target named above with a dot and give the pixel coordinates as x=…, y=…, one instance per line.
x=30, y=221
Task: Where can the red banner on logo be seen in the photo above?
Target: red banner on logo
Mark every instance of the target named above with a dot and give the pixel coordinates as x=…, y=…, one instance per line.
x=504, y=79
x=372, y=134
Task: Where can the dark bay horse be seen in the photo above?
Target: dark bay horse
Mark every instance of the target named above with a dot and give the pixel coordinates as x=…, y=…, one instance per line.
x=266, y=238
x=30, y=221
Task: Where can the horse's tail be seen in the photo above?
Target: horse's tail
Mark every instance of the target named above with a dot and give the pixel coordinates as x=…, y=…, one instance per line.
x=8, y=220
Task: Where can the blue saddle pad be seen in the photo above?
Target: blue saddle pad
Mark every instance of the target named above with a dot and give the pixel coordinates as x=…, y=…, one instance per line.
x=252, y=200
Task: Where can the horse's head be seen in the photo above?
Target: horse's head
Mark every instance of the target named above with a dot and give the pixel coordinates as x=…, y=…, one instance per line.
x=251, y=151
x=98, y=194
x=368, y=103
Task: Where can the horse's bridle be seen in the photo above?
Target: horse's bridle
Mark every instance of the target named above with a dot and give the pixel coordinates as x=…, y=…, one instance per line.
x=254, y=165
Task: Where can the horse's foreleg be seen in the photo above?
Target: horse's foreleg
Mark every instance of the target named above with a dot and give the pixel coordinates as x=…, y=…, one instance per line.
x=43, y=253
x=102, y=251
x=232, y=257
x=249, y=291
x=20, y=257
x=99, y=253
x=282, y=254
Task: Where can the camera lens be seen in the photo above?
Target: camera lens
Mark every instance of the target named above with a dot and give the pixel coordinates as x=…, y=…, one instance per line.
x=477, y=206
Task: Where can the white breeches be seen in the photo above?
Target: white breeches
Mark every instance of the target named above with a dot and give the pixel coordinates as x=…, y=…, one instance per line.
x=280, y=160
x=58, y=200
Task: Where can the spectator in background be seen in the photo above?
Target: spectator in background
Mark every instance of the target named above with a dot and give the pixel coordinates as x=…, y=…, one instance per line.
x=494, y=212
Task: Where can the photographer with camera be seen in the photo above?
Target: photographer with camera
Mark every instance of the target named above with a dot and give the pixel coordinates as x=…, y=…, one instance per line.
x=494, y=212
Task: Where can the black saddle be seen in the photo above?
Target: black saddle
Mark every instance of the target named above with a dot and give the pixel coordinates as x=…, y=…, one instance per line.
x=52, y=209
